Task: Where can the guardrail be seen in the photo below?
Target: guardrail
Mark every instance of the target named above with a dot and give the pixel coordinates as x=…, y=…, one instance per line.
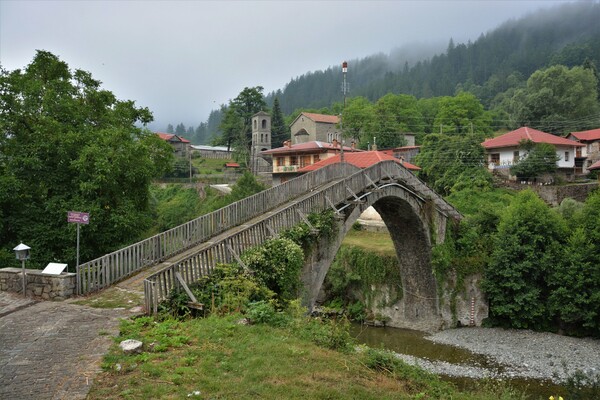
x=110, y=268
x=158, y=286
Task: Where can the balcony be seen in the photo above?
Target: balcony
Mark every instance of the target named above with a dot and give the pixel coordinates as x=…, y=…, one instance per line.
x=285, y=168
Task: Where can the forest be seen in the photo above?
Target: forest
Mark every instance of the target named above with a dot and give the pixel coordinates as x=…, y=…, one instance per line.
x=492, y=68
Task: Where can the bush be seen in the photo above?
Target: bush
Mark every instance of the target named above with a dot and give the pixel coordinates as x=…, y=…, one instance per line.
x=229, y=288
x=277, y=265
x=263, y=312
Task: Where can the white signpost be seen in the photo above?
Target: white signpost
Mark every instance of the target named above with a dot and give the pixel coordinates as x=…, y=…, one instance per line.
x=78, y=218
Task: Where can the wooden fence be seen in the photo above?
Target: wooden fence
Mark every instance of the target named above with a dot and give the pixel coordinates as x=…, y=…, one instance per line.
x=158, y=286
x=110, y=268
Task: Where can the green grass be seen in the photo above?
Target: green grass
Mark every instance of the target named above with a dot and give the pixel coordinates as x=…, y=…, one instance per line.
x=379, y=242
x=224, y=360
x=112, y=297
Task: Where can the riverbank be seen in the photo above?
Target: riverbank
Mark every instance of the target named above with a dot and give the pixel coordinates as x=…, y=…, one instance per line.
x=517, y=354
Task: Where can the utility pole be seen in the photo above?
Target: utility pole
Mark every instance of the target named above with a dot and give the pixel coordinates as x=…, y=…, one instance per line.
x=344, y=91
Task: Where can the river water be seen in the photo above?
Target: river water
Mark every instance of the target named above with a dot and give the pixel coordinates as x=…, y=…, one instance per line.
x=413, y=343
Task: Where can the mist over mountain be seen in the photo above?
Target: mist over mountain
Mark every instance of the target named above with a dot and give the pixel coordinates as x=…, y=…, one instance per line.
x=568, y=34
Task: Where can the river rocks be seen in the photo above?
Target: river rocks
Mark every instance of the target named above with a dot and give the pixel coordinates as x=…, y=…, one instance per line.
x=524, y=353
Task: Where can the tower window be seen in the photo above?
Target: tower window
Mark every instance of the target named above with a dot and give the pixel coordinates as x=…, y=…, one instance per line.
x=264, y=124
x=254, y=124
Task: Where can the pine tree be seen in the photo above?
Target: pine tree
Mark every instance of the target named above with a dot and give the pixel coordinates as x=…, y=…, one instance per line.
x=279, y=131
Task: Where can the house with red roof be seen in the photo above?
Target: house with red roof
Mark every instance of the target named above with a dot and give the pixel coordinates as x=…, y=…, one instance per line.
x=311, y=127
x=590, y=154
x=506, y=150
x=361, y=159
x=406, y=153
x=181, y=146
x=290, y=158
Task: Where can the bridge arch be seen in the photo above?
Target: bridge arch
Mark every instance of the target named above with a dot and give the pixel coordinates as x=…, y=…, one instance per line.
x=414, y=225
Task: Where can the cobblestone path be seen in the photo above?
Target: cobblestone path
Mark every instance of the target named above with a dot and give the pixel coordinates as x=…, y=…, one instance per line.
x=52, y=350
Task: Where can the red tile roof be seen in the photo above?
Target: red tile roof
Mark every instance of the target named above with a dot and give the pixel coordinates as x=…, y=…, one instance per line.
x=169, y=136
x=362, y=159
x=329, y=119
x=512, y=139
x=593, y=134
x=595, y=165
x=232, y=165
x=308, y=147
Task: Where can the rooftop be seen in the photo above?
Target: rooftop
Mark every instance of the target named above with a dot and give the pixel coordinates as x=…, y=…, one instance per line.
x=363, y=159
x=593, y=134
x=513, y=139
x=169, y=137
x=308, y=147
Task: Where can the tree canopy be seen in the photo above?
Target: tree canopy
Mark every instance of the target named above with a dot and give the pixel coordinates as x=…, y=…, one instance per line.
x=66, y=144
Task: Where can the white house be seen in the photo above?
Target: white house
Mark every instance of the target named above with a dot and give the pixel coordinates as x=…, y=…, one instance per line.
x=506, y=150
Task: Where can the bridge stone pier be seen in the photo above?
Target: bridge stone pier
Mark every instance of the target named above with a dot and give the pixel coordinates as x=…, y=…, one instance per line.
x=414, y=224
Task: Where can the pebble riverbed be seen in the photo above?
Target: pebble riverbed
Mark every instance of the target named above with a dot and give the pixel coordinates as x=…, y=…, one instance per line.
x=516, y=353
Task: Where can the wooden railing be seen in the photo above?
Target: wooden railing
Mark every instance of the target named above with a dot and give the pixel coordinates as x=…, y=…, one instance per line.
x=158, y=286
x=110, y=268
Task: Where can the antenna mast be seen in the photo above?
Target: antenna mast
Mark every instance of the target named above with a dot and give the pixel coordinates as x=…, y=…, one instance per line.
x=344, y=92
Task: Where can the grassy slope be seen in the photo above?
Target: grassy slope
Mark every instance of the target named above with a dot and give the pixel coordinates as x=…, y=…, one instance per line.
x=224, y=360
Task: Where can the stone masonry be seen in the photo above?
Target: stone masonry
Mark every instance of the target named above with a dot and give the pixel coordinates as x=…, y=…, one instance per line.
x=39, y=286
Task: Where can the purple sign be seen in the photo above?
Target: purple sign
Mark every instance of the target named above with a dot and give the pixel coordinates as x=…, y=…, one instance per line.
x=78, y=217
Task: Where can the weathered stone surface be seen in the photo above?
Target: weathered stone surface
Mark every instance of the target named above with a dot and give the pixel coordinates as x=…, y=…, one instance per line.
x=52, y=350
x=131, y=346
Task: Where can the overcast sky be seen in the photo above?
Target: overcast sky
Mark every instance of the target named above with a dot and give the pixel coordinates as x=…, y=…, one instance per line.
x=182, y=59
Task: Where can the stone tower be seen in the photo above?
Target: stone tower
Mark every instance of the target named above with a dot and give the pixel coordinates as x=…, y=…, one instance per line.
x=261, y=132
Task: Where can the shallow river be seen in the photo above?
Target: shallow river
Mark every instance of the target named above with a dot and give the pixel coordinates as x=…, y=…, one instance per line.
x=413, y=343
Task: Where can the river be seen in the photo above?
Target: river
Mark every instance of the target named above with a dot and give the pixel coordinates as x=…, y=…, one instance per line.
x=413, y=343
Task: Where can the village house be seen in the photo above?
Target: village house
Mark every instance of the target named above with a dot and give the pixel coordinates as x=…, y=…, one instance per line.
x=290, y=158
x=590, y=154
x=212, y=152
x=310, y=127
x=181, y=146
x=506, y=150
x=361, y=159
x=406, y=153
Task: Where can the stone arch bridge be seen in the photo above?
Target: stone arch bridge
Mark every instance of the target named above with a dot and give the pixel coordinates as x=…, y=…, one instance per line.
x=415, y=215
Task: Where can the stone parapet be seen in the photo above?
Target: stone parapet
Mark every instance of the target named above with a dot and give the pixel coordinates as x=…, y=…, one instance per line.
x=39, y=285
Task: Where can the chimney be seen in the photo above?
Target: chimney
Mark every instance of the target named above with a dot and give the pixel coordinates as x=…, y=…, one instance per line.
x=353, y=145
x=287, y=143
x=374, y=147
x=401, y=160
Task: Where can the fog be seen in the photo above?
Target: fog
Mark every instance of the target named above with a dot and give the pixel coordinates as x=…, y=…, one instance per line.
x=183, y=59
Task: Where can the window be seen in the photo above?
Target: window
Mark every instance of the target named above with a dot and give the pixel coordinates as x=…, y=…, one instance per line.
x=515, y=157
x=254, y=124
x=316, y=158
x=495, y=158
x=280, y=161
x=264, y=124
x=566, y=156
x=293, y=160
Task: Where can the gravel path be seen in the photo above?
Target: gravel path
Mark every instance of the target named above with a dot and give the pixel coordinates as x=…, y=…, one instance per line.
x=518, y=353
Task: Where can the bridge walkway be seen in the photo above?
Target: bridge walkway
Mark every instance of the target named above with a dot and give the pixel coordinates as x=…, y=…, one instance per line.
x=135, y=283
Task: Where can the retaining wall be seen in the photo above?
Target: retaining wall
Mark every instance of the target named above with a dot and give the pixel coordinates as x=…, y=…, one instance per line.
x=39, y=286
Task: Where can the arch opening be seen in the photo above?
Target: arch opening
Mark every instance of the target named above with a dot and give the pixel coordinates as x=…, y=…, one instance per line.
x=408, y=225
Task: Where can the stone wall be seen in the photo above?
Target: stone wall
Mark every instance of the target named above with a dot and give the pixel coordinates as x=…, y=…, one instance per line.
x=39, y=286
x=554, y=195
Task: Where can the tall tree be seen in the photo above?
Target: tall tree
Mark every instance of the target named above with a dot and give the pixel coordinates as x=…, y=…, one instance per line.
x=528, y=244
x=236, y=126
x=67, y=144
x=170, y=129
x=462, y=113
x=279, y=130
x=558, y=100
x=180, y=129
